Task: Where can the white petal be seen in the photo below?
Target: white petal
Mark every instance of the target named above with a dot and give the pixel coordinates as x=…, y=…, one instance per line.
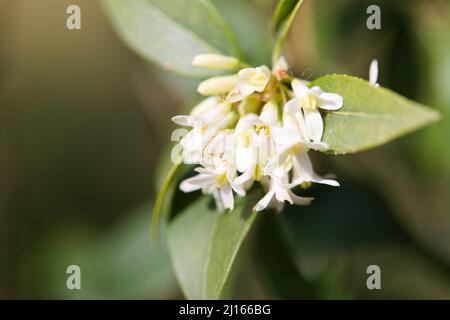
x=193, y=140
x=244, y=158
x=304, y=172
x=322, y=146
x=248, y=85
x=243, y=124
x=188, y=121
x=282, y=194
x=246, y=89
x=302, y=168
x=330, y=101
x=373, y=72
x=289, y=121
x=235, y=95
x=269, y=113
x=239, y=189
x=218, y=200
x=186, y=187
x=330, y=182
x=264, y=202
x=300, y=88
x=316, y=91
x=266, y=72
x=299, y=116
x=196, y=182
x=204, y=106
x=226, y=120
x=300, y=201
x=286, y=136
x=246, y=73
x=216, y=113
x=226, y=193
x=292, y=106
x=202, y=170
x=253, y=119
x=245, y=177
x=314, y=124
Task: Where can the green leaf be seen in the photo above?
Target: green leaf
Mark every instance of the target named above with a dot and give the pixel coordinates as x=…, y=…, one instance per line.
x=275, y=263
x=171, y=33
x=203, y=244
x=116, y=263
x=160, y=199
x=249, y=23
x=283, y=17
x=370, y=116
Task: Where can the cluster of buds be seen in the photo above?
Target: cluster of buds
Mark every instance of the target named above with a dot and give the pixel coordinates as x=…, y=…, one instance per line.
x=254, y=126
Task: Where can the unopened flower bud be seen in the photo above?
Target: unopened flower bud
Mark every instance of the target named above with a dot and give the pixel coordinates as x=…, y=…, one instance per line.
x=215, y=61
x=280, y=69
x=217, y=85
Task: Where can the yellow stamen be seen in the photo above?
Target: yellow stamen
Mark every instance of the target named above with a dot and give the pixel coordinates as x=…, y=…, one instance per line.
x=245, y=139
x=264, y=127
x=221, y=180
x=306, y=185
x=258, y=172
x=309, y=102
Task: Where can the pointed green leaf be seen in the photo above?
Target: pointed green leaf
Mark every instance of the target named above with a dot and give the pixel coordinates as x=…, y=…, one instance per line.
x=283, y=17
x=171, y=33
x=370, y=116
x=160, y=199
x=203, y=244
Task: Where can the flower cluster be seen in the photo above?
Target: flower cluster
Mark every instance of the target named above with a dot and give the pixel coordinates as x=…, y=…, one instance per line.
x=255, y=126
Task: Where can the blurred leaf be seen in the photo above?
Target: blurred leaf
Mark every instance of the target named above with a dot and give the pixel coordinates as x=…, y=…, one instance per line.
x=275, y=263
x=135, y=268
x=338, y=222
x=204, y=243
x=250, y=26
x=370, y=116
x=171, y=33
x=118, y=264
x=357, y=216
x=283, y=18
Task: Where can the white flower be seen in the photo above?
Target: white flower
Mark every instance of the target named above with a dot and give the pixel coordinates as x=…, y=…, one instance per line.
x=263, y=145
x=302, y=169
x=206, y=119
x=216, y=174
x=255, y=145
x=293, y=150
x=373, y=73
x=250, y=80
x=309, y=101
x=215, y=61
x=212, y=181
x=279, y=192
x=217, y=85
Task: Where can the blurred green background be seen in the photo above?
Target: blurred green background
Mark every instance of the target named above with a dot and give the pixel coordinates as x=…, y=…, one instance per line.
x=83, y=122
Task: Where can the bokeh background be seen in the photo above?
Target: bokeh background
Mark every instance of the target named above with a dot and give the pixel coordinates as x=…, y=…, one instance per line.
x=84, y=121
